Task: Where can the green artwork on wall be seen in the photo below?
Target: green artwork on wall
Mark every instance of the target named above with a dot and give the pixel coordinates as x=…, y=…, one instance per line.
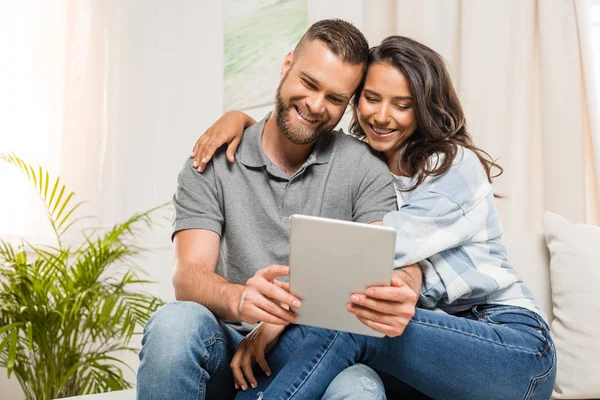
x=258, y=35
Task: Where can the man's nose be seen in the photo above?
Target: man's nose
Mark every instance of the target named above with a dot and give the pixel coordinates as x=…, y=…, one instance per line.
x=316, y=103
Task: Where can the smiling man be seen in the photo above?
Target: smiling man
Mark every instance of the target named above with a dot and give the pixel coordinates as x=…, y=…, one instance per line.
x=230, y=232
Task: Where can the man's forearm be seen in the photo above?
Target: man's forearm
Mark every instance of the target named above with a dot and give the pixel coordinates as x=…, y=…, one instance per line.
x=412, y=276
x=211, y=290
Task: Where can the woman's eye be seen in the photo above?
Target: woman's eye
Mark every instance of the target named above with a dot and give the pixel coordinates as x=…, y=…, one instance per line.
x=370, y=99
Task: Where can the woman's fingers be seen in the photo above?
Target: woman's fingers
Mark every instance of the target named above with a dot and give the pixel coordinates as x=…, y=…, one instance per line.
x=259, y=355
x=204, y=155
x=371, y=315
x=238, y=375
x=385, y=329
x=232, y=148
x=247, y=368
x=391, y=325
x=383, y=306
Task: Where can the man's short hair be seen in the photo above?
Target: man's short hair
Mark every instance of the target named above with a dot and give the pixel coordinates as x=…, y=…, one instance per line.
x=341, y=37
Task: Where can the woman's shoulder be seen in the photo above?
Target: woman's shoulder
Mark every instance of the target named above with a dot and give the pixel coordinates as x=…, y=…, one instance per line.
x=465, y=180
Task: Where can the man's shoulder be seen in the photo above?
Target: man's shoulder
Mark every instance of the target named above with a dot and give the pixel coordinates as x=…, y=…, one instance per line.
x=217, y=164
x=350, y=147
x=345, y=140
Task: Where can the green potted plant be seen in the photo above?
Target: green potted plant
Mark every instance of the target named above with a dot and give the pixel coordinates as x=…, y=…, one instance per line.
x=68, y=310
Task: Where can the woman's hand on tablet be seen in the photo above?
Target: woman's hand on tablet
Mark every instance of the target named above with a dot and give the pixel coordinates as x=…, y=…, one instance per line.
x=386, y=309
x=264, y=298
x=253, y=349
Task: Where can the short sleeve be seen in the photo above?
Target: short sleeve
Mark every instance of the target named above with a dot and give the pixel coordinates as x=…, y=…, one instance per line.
x=197, y=200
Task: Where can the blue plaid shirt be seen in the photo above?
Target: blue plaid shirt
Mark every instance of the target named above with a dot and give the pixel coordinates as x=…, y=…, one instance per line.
x=450, y=226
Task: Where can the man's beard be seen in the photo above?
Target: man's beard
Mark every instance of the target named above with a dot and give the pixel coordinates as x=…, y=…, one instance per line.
x=298, y=133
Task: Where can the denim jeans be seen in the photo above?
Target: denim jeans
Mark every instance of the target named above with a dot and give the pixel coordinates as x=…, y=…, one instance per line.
x=488, y=352
x=186, y=353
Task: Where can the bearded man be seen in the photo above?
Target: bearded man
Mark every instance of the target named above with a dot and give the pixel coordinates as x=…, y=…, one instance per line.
x=231, y=231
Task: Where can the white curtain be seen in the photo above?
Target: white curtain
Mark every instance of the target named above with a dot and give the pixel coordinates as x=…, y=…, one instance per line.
x=109, y=95
x=55, y=103
x=32, y=63
x=523, y=70
x=86, y=101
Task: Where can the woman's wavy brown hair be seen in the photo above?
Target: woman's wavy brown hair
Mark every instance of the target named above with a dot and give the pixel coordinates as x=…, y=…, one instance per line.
x=441, y=125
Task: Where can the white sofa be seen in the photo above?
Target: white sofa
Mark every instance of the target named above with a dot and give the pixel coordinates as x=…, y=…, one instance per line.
x=527, y=252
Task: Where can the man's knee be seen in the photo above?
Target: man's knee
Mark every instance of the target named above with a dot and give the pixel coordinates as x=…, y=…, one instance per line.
x=356, y=382
x=178, y=329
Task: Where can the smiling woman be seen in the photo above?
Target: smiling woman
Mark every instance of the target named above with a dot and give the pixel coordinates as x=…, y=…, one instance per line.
x=387, y=116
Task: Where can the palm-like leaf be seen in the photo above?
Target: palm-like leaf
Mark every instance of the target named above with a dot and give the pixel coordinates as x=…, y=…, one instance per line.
x=56, y=197
x=65, y=311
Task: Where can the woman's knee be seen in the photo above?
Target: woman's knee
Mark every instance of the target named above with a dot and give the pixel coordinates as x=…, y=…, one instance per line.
x=356, y=382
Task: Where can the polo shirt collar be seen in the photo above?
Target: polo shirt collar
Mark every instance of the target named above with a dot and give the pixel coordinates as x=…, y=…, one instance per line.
x=252, y=154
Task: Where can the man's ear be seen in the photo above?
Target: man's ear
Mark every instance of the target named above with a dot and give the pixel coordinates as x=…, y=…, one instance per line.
x=287, y=64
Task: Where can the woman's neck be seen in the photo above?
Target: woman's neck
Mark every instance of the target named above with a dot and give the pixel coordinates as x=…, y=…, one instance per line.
x=393, y=159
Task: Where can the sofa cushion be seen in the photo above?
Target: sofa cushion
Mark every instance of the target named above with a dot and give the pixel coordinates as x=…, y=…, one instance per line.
x=528, y=254
x=575, y=281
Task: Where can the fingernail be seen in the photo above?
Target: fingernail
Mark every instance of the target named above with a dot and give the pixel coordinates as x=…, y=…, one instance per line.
x=236, y=386
x=195, y=164
x=297, y=303
x=203, y=160
x=244, y=387
x=370, y=292
x=268, y=373
x=253, y=385
x=354, y=299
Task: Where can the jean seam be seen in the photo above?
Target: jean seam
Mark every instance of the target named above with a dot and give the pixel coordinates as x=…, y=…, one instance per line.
x=541, y=378
x=543, y=324
x=477, y=336
x=207, y=344
x=213, y=339
x=501, y=308
x=337, y=333
x=542, y=331
x=546, y=348
x=201, y=385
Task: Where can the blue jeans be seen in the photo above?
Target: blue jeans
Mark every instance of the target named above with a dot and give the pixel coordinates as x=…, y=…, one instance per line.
x=186, y=353
x=488, y=352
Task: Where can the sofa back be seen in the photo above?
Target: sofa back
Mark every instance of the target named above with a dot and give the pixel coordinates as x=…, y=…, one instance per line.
x=528, y=254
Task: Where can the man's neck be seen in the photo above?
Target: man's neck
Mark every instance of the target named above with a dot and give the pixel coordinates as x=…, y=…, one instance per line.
x=288, y=156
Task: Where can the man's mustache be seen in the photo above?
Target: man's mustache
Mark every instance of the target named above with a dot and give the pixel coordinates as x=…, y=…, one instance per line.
x=305, y=112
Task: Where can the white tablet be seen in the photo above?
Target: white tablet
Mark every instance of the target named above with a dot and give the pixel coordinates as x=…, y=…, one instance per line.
x=331, y=259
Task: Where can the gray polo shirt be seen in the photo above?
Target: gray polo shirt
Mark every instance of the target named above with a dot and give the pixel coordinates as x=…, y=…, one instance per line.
x=248, y=203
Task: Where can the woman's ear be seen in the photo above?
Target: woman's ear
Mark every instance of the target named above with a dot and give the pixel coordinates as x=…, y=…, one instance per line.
x=287, y=64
